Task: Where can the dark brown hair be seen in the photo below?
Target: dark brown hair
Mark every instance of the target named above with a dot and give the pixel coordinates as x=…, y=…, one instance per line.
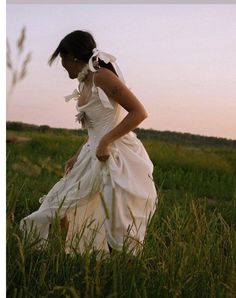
x=79, y=44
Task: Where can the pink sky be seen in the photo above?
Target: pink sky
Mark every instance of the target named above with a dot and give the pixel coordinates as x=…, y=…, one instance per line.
x=179, y=60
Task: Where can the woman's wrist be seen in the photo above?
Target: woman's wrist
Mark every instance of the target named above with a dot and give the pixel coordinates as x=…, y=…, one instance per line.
x=105, y=140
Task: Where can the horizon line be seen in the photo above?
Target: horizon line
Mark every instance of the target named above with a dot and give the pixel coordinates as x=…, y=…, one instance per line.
x=171, y=131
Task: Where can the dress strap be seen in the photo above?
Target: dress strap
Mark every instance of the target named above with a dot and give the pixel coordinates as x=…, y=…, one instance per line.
x=106, y=102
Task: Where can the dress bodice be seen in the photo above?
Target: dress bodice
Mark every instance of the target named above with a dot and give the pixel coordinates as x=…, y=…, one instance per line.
x=99, y=115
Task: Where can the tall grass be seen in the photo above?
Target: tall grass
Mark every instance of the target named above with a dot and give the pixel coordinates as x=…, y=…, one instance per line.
x=190, y=245
x=187, y=253
x=203, y=172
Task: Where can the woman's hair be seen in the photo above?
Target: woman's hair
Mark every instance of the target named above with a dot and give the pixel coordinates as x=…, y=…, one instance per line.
x=79, y=44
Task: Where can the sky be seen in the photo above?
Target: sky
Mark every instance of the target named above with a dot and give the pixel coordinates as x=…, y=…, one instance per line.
x=178, y=59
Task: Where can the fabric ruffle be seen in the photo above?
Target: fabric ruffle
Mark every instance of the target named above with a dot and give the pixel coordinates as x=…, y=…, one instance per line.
x=83, y=118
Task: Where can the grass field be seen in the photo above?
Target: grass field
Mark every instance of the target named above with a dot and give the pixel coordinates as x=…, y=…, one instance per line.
x=190, y=246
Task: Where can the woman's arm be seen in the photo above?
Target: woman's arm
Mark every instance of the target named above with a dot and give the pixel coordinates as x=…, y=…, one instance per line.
x=117, y=90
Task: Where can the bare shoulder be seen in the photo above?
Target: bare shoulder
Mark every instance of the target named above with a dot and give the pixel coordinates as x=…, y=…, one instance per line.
x=109, y=82
x=117, y=90
x=104, y=76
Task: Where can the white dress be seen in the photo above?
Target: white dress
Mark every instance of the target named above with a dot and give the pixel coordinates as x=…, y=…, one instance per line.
x=110, y=201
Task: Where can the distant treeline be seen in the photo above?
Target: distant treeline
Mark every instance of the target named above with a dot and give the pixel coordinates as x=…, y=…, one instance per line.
x=185, y=138
x=21, y=126
x=167, y=136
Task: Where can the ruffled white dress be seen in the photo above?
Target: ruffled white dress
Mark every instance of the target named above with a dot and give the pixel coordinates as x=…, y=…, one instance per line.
x=105, y=202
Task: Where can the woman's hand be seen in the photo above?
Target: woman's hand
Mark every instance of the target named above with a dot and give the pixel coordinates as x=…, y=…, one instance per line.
x=70, y=163
x=102, y=151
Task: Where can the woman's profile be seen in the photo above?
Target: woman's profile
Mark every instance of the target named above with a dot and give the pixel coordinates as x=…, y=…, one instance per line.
x=107, y=190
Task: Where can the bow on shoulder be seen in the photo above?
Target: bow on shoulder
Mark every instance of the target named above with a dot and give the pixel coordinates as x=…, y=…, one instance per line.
x=101, y=55
x=106, y=57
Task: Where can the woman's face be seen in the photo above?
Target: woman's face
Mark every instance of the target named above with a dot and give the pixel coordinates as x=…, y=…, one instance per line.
x=71, y=65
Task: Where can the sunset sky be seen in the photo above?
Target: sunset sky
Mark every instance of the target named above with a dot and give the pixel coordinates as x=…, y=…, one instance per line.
x=178, y=59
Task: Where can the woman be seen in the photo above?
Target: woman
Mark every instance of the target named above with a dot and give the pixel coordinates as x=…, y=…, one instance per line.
x=107, y=195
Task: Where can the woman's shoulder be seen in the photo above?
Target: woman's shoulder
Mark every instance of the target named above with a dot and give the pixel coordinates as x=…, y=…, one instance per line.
x=104, y=76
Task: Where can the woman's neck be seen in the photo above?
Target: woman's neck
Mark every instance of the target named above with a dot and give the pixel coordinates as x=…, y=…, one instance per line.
x=88, y=79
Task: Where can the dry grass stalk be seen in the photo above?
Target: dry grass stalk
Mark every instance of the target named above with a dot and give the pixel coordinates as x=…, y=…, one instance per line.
x=18, y=73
